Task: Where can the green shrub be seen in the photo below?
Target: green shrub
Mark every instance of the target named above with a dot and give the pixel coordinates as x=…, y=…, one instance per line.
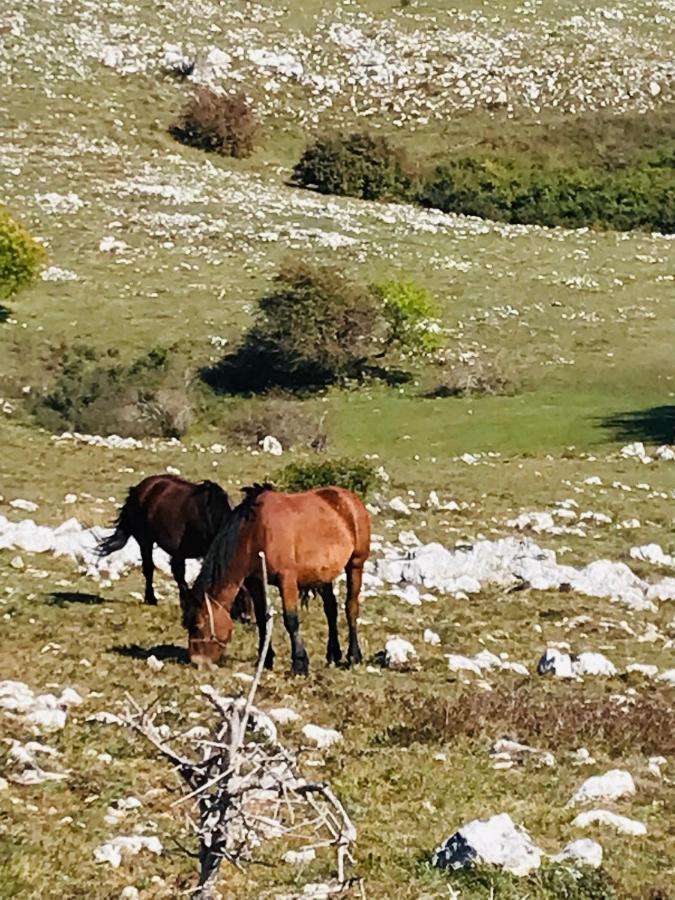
x=21, y=256
x=217, y=123
x=90, y=394
x=411, y=315
x=551, y=882
x=313, y=328
x=638, y=197
x=355, y=165
x=358, y=476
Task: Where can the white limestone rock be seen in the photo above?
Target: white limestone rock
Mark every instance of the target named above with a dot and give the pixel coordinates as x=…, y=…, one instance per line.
x=622, y=824
x=496, y=841
x=611, y=786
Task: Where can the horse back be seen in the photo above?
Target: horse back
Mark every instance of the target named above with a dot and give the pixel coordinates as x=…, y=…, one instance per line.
x=179, y=515
x=317, y=532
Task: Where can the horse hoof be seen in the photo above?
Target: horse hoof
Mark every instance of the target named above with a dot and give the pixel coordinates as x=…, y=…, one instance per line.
x=355, y=659
x=301, y=666
x=151, y=601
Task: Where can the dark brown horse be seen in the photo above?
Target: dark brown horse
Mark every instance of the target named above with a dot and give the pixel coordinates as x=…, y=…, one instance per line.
x=179, y=516
x=308, y=539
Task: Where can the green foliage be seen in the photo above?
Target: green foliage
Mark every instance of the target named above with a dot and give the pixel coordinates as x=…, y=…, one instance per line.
x=410, y=312
x=217, y=123
x=21, y=256
x=313, y=328
x=105, y=396
x=355, y=165
x=638, y=197
x=550, y=882
x=358, y=476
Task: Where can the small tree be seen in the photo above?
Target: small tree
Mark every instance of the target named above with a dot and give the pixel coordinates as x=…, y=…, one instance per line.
x=217, y=123
x=315, y=327
x=411, y=316
x=356, y=165
x=21, y=256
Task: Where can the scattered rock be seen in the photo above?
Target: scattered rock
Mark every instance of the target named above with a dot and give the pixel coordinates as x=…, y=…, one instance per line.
x=271, y=445
x=611, y=786
x=495, y=841
x=563, y=665
x=507, y=753
x=399, y=653
x=430, y=637
x=282, y=715
x=155, y=664
x=321, y=737
x=25, y=505
x=584, y=851
x=605, y=817
x=115, y=850
x=299, y=857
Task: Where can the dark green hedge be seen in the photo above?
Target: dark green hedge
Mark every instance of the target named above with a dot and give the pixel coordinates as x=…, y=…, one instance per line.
x=637, y=197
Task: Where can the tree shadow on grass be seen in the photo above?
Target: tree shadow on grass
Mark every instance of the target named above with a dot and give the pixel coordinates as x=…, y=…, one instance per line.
x=655, y=425
x=163, y=652
x=61, y=598
x=247, y=372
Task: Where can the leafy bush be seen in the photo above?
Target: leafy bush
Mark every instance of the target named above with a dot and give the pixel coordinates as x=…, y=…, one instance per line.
x=21, y=256
x=636, y=197
x=315, y=328
x=358, y=476
x=312, y=329
x=280, y=418
x=145, y=398
x=411, y=315
x=355, y=165
x=217, y=123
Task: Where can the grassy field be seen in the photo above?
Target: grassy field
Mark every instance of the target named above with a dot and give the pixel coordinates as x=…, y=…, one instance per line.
x=583, y=320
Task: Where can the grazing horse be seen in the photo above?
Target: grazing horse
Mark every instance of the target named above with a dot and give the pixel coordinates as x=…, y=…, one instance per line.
x=308, y=539
x=180, y=516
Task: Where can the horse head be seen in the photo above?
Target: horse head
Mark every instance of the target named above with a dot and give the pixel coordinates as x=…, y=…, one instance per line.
x=209, y=625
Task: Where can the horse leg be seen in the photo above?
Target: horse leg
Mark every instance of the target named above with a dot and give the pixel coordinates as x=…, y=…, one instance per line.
x=290, y=597
x=354, y=576
x=178, y=572
x=148, y=572
x=255, y=589
x=333, y=652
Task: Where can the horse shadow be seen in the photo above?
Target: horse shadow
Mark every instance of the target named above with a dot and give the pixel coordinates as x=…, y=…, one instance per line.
x=163, y=652
x=655, y=425
x=61, y=598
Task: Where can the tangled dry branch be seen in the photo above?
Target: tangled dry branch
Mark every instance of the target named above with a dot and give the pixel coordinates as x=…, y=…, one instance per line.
x=247, y=787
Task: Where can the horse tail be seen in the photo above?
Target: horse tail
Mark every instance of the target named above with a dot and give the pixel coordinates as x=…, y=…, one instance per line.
x=122, y=525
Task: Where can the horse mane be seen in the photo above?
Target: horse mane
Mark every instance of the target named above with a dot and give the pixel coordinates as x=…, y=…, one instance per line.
x=224, y=544
x=217, y=507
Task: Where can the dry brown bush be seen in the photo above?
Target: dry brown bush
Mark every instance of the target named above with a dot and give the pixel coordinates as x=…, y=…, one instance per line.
x=479, y=377
x=217, y=123
x=560, y=719
x=284, y=421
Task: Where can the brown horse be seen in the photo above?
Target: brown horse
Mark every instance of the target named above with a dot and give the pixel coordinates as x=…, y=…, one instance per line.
x=308, y=539
x=180, y=516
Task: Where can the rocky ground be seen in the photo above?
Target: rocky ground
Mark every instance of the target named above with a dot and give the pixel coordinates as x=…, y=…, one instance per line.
x=518, y=618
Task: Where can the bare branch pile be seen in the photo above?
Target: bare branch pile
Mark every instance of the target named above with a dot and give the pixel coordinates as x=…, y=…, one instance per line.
x=247, y=787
